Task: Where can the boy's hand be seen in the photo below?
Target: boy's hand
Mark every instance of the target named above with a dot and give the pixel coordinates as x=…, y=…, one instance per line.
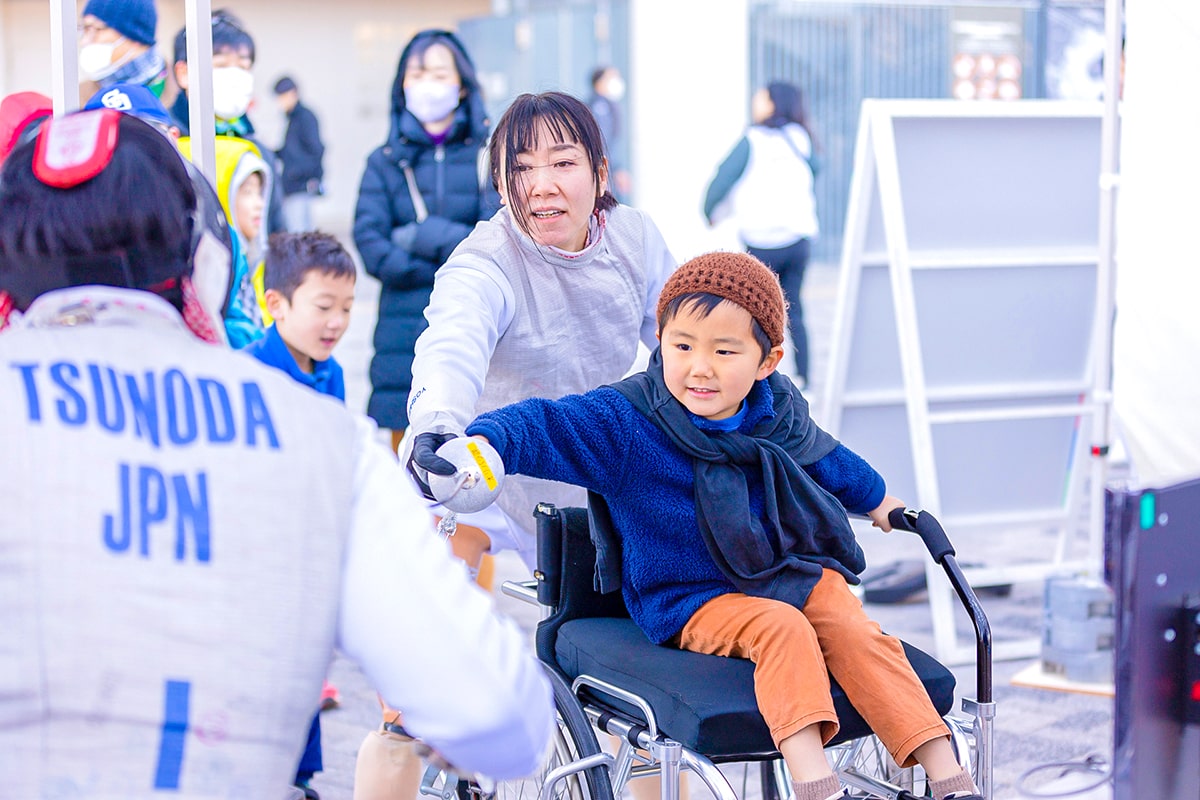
x=879, y=517
x=424, y=460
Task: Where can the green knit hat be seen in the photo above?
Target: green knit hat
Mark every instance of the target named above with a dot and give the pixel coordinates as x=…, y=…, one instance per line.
x=741, y=279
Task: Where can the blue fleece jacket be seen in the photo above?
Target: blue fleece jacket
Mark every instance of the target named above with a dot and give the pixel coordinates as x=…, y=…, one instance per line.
x=326, y=376
x=598, y=440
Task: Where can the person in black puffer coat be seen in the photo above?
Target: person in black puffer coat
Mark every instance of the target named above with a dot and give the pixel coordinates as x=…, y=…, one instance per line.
x=420, y=196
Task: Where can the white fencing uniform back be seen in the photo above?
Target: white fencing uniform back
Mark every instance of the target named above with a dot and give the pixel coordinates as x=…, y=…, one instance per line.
x=187, y=534
x=223, y=519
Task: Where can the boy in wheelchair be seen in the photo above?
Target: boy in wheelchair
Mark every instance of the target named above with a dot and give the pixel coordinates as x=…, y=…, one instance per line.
x=730, y=508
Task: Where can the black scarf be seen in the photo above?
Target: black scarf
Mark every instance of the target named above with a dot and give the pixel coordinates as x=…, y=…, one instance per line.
x=808, y=526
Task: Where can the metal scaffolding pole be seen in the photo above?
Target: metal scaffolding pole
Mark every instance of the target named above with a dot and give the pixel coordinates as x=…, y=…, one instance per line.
x=1106, y=278
x=200, y=97
x=64, y=58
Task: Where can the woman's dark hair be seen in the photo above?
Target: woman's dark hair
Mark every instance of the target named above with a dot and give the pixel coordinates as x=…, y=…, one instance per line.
x=137, y=214
x=426, y=39
x=291, y=256
x=789, y=106
x=702, y=304
x=598, y=73
x=568, y=120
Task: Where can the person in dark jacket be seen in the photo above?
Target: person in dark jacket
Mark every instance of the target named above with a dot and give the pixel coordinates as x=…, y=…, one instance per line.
x=608, y=89
x=301, y=155
x=420, y=195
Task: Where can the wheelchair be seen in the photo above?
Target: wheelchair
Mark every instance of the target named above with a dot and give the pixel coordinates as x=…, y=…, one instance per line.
x=674, y=710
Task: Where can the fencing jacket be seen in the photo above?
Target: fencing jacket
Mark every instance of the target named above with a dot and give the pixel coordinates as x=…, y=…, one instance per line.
x=187, y=536
x=510, y=319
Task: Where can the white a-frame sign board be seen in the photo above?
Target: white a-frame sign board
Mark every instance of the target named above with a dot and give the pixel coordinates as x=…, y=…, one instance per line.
x=963, y=342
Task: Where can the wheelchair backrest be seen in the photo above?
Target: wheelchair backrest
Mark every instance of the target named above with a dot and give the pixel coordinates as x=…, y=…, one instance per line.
x=566, y=574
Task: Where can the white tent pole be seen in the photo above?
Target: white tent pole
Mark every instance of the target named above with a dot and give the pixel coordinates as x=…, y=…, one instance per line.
x=64, y=58
x=198, y=19
x=1102, y=350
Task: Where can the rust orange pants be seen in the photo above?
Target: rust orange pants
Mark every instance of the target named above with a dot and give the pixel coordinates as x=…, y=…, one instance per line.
x=794, y=653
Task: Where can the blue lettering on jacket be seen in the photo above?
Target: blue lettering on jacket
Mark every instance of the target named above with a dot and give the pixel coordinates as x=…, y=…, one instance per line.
x=184, y=409
x=147, y=500
x=143, y=406
x=181, y=408
x=106, y=405
x=31, y=394
x=257, y=416
x=71, y=408
x=218, y=413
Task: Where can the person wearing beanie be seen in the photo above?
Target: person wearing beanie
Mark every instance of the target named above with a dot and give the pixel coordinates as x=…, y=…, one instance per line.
x=116, y=41
x=708, y=556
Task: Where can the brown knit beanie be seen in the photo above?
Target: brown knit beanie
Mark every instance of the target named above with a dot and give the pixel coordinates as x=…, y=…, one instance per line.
x=739, y=278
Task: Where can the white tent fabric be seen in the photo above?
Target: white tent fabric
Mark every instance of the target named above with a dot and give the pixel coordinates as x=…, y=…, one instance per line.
x=1156, y=339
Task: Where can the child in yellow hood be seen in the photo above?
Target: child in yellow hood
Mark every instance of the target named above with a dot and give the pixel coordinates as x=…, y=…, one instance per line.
x=243, y=186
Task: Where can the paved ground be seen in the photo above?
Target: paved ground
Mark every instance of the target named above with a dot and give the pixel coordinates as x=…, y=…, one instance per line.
x=1033, y=726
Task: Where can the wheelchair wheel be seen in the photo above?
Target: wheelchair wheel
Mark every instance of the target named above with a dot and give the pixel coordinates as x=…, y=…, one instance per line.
x=573, y=739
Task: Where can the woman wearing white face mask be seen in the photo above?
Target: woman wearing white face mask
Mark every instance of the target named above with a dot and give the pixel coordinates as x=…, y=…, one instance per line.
x=420, y=196
x=116, y=45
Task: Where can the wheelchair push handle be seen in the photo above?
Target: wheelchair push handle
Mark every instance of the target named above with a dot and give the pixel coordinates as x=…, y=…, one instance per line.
x=937, y=542
x=549, y=525
x=927, y=527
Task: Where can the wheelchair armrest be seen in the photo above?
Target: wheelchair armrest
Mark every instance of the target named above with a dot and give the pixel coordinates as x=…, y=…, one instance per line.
x=525, y=591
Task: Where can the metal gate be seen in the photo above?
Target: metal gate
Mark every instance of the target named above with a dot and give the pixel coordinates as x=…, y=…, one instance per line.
x=548, y=46
x=840, y=53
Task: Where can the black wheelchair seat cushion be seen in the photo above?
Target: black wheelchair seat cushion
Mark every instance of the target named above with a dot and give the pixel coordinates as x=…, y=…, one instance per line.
x=706, y=703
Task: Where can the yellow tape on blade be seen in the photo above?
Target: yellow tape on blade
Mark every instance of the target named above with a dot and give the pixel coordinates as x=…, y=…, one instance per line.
x=488, y=475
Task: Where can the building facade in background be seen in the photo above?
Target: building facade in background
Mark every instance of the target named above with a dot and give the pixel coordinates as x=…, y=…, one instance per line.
x=690, y=67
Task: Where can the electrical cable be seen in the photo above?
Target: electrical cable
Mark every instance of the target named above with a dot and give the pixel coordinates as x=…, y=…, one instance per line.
x=1092, y=763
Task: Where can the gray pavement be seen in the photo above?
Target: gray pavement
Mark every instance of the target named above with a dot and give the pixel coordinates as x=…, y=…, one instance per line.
x=1033, y=726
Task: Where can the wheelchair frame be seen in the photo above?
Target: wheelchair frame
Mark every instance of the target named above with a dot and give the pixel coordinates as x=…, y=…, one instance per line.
x=862, y=764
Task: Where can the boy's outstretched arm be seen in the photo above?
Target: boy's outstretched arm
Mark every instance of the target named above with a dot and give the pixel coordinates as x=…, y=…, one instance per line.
x=579, y=439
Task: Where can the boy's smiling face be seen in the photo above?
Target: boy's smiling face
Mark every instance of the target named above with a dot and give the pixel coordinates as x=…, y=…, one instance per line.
x=710, y=362
x=313, y=322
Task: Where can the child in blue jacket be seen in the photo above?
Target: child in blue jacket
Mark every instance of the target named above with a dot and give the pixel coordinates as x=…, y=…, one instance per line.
x=729, y=506
x=309, y=289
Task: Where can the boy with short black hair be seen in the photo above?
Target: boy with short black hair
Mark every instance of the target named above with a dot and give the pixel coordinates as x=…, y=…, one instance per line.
x=308, y=282
x=233, y=54
x=730, y=534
